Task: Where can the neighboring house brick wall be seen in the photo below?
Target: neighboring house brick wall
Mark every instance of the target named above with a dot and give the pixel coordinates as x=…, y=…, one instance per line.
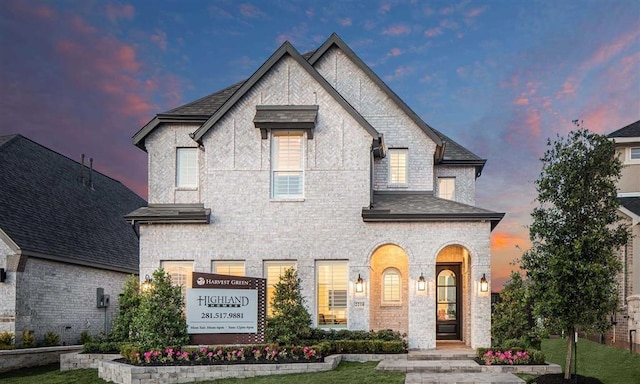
x=7, y=290
x=61, y=298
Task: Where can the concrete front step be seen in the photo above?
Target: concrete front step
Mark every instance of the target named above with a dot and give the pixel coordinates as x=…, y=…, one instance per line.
x=466, y=378
x=442, y=354
x=430, y=366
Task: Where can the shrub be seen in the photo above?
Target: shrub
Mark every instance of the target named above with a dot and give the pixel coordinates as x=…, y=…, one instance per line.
x=51, y=339
x=514, y=343
x=28, y=339
x=102, y=347
x=159, y=321
x=85, y=337
x=7, y=341
x=291, y=322
x=512, y=317
x=318, y=335
x=128, y=303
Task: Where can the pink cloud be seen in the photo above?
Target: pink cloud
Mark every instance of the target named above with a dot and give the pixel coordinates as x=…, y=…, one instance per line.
x=248, y=10
x=449, y=24
x=116, y=12
x=446, y=11
x=345, y=22
x=80, y=26
x=397, y=30
x=521, y=101
x=475, y=12
x=395, y=52
x=160, y=39
x=569, y=88
x=309, y=12
x=45, y=12
x=384, y=8
x=502, y=240
x=607, y=51
x=433, y=32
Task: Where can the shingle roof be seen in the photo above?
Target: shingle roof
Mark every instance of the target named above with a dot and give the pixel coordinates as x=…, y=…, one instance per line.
x=423, y=206
x=49, y=213
x=206, y=106
x=171, y=214
x=631, y=203
x=631, y=130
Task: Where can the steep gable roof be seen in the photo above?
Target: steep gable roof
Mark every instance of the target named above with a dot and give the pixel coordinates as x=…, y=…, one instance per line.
x=48, y=212
x=285, y=49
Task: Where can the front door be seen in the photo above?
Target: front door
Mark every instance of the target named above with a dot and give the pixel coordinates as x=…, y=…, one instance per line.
x=448, y=298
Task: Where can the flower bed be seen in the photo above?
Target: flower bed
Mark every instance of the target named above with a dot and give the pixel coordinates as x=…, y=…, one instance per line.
x=509, y=357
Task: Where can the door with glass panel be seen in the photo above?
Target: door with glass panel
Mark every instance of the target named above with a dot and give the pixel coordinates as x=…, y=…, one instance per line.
x=448, y=298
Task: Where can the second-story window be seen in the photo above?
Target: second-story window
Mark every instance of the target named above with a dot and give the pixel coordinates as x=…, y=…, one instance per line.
x=187, y=168
x=398, y=166
x=634, y=154
x=447, y=188
x=287, y=166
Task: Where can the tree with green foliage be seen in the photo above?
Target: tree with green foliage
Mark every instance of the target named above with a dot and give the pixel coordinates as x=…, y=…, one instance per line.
x=572, y=263
x=512, y=317
x=291, y=322
x=128, y=303
x=159, y=320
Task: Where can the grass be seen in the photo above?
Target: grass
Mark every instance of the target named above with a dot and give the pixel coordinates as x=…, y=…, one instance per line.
x=610, y=365
x=347, y=372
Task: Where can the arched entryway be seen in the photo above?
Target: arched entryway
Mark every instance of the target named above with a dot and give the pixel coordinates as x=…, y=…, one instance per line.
x=452, y=293
x=389, y=300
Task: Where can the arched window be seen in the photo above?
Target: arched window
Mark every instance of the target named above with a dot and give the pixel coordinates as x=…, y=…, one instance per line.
x=391, y=286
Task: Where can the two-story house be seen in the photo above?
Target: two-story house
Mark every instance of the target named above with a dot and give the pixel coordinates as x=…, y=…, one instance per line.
x=314, y=163
x=627, y=143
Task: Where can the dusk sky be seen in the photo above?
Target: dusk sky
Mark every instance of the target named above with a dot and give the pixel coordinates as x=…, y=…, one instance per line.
x=499, y=77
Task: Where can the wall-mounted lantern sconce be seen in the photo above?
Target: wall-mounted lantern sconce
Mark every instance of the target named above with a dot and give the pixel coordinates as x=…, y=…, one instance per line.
x=147, y=283
x=3, y=275
x=422, y=284
x=359, y=284
x=484, y=284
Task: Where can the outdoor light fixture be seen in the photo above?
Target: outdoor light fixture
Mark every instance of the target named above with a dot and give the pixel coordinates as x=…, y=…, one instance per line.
x=484, y=284
x=147, y=283
x=422, y=284
x=359, y=284
x=3, y=275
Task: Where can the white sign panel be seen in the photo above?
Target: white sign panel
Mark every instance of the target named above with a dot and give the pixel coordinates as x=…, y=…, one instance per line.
x=222, y=310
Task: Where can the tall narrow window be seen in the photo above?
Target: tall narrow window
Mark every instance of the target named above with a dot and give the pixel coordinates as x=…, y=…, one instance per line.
x=180, y=273
x=187, y=168
x=272, y=272
x=391, y=286
x=232, y=268
x=398, y=167
x=332, y=293
x=447, y=188
x=287, y=168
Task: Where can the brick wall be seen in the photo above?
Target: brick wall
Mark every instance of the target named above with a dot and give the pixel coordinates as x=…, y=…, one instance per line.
x=7, y=290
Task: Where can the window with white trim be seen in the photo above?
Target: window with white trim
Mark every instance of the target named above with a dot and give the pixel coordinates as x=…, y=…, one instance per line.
x=391, y=287
x=398, y=166
x=272, y=272
x=187, y=168
x=332, y=283
x=447, y=188
x=287, y=165
x=180, y=273
x=232, y=268
x=634, y=153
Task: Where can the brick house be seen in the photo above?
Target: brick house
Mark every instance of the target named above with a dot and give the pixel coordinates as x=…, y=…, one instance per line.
x=315, y=163
x=627, y=143
x=62, y=236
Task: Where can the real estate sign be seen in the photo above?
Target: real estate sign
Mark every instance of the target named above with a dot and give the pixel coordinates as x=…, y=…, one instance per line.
x=226, y=309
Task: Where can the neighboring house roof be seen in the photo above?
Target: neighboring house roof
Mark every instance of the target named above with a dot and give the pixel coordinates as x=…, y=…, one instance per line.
x=48, y=212
x=423, y=206
x=631, y=130
x=630, y=206
x=209, y=109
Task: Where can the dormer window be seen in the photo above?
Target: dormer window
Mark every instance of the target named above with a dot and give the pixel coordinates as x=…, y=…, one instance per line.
x=447, y=188
x=398, y=166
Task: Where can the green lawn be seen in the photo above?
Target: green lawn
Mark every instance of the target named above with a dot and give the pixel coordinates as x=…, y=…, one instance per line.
x=610, y=365
x=347, y=372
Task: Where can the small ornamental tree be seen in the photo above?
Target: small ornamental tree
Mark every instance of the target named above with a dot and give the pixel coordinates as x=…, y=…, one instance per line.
x=291, y=321
x=159, y=320
x=128, y=303
x=572, y=264
x=512, y=317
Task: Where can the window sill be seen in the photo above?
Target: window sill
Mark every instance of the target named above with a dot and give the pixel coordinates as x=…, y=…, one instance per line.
x=397, y=185
x=383, y=305
x=186, y=188
x=286, y=200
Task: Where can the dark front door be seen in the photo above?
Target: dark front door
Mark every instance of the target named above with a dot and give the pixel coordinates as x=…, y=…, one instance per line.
x=448, y=300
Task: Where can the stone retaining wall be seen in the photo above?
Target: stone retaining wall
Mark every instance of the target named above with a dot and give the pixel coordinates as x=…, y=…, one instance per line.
x=71, y=361
x=120, y=373
x=526, y=369
x=32, y=357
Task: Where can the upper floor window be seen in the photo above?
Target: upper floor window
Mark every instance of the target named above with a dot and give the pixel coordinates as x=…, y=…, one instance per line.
x=287, y=165
x=232, y=268
x=391, y=286
x=634, y=154
x=447, y=188
x=187, y=168
x=398, y=166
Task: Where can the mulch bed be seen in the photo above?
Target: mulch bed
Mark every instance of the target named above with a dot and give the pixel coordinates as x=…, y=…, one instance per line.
x=558, y=378
x=225, y=362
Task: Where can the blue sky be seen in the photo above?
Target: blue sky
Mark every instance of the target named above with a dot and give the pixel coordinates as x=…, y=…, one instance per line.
x=500, y=77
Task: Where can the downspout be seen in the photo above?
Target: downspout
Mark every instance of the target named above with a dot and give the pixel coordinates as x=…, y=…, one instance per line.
x=371, y=177
x=133, y=226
